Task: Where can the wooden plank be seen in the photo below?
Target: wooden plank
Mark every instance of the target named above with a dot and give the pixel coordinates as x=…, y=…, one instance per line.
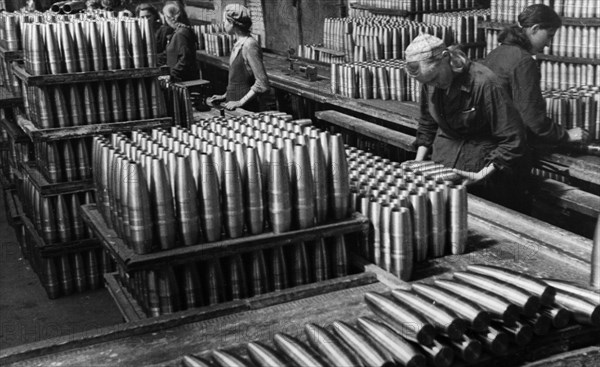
x=129, y=309
x=37, y=134
x=46, y=188
x=9, y=56
x=569, y=197
x=86, y=77
x=329, y=51
x=538, y=235
x=572, y=60
x=580, y=357
x=368, y=129
x=131, y=261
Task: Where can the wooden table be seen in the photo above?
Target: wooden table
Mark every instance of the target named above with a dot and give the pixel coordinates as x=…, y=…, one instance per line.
x=165, y=339
x=400, y=116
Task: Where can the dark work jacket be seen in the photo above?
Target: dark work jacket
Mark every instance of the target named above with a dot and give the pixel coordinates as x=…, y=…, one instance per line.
x=472, y=124
x=520, y=77
x=181, y=55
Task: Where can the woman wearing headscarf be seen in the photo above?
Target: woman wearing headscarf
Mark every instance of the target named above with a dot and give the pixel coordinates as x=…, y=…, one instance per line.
x=181, y=49
x=520, y=76
x=468, y=122
x=247, y=76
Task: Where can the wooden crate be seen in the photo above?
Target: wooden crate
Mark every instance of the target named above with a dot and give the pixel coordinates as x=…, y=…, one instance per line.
x=46, y=188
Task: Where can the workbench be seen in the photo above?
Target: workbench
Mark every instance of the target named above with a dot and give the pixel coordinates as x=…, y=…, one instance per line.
x=399, y=116
x=494, y=238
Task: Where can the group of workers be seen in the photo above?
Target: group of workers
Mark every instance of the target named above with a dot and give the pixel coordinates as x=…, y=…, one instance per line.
x=484, y=119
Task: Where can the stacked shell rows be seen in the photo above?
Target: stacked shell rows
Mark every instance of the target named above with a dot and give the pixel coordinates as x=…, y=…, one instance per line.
x=222, y=179
x=378, y=79
x=65, y=160
x=94, y=103
x=575, y=107
x=312, y=53
x=415, y=209
x=69, y=44
x=378, y=37
x=485, y=309
x=509, y=10
x=214, y=39
x=419, y=6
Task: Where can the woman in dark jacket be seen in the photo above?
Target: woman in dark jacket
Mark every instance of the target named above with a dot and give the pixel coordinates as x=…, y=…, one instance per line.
x=520, y=76
x=247, y=75
x=181, y=49
x=468, y=122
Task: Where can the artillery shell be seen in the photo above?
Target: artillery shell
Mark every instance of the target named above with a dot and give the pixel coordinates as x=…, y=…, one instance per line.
x=50, y=278
x=76, y=106
x=367, y=351
x=319, y=259
x=280, y=212
x=116, y=102
x=330, y=347
x=528, y=303
x=401, y=243
x=60, y=104
x=97, y=62
x=66, y=275
x=168, y=291
x=79, y=273
x=440, y=317
x=214, y=281
x=299, y=264
x=227, y=359
x=437, y=220
x=278, y=269
x=122, y=45
x=138, y=204
x=458, y=218
x=63, y=220
x=492, y=339
x=258, y=274
x=339, y=257
x=186, y=203
x=53, y=162
x=385, y=220
x=69, y=161
x=540, y=323
x=533, y=285
x=374, y=232
x=77, y=226
x=81, y=47
x=192, y=288
x=93, y=270
x=237, y=278
x=573, y=288
x=467, y=349
x=192, y=361
x=560, y=317
x=161, y=201
x=400, y=350
x=303, y=189
x=520, y=333
x=469, y=311
x=398, y=317
x=319, y=175
x=297, y=352
x=232, y=197
x=130, y=104
x=89, y=104
x=438, y=354
x=83, y=165
x=264, y=356
x=497, y=306
x=583, y=311
x=209, y=194
x=338, y=177
x=254, y=205
x=418, y=207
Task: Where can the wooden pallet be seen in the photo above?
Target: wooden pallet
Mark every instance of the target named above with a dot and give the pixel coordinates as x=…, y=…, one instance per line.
x=46, y=188
x=130, y=261
x=52, y=134
x=86, y=77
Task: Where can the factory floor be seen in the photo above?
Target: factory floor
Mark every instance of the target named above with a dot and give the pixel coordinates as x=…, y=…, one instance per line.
x=27, y=315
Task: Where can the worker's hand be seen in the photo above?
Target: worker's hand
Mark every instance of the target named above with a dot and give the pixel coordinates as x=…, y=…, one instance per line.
x=232, y=105
x=578, y=135
x=215, y=99
x=473, y=177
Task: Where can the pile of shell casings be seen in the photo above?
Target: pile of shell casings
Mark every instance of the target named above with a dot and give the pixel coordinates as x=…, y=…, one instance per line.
x=311, y=53
x=416, y=210
x=95, y=103
x=214, y=39
x=375, y=38
x=464, y=25
x=55, y=217
x=55, y=44
x=286, y=176
x=65, y=160
x=508, y=11
x=381, y=79
x=483, y=309
x=575, y=107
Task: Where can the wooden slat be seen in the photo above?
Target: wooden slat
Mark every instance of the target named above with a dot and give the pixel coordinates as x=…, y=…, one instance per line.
x=569, y=197
x=131, y=261
x=129, y=309
x=86, y=77
x=582, y=167
x=46, y=188
x=88, y=130
x=368, y=129
x=579, y=357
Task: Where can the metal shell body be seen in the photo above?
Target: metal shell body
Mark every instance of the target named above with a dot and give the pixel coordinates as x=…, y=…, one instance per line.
x=367, y=351
x=330, y=347
x=299, y=354
x=264, y=356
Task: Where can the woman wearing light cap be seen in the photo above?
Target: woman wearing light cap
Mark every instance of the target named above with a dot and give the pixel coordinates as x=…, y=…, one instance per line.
x=520, y=76
x=181, y=49
x=468, y=122
x=247, y=76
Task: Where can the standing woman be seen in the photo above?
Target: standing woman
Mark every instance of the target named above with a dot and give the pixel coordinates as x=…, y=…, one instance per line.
x=247, y=75
x=520, y=76
x=468, y=122
x=181, y=49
